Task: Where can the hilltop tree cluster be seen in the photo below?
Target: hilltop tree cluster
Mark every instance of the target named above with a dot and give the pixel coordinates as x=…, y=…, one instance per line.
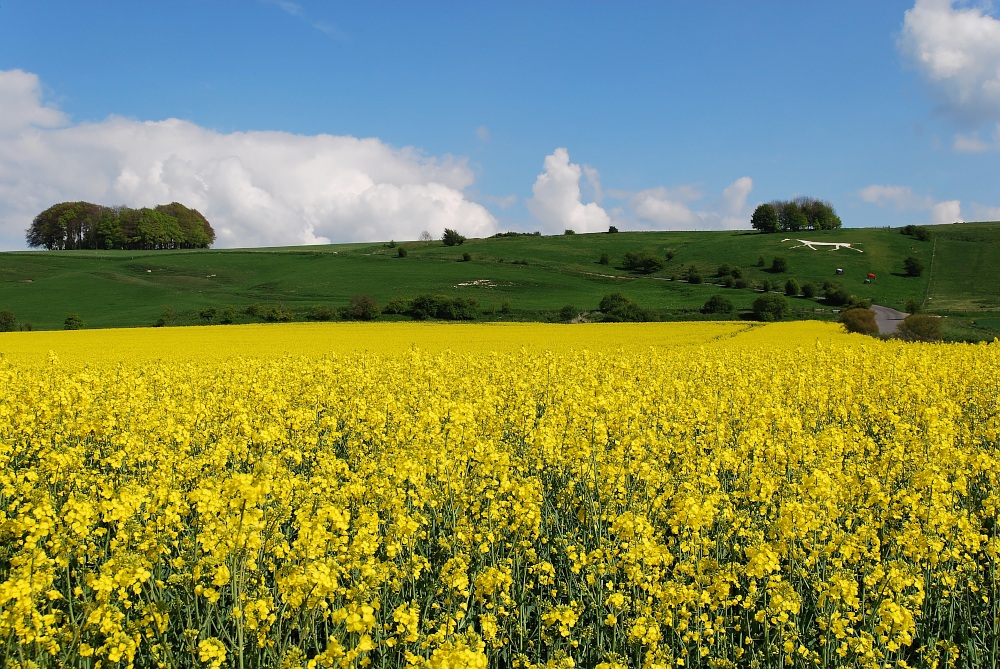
x=803, y=213
x=82, y=225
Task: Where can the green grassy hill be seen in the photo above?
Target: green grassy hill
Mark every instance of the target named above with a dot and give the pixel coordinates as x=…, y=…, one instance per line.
x=523, y=277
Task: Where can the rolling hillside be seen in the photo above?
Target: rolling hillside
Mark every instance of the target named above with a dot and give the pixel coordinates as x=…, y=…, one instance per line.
x=516, y=277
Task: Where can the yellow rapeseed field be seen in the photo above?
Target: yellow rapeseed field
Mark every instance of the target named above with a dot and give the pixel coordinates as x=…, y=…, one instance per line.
x=450, y=496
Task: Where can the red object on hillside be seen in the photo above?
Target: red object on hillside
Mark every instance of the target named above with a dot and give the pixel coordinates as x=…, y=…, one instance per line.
x=870, y=275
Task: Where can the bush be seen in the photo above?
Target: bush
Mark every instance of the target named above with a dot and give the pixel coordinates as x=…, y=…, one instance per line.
x=277, y=313
x=73, y=322
x=717, y=304
x=919, y=327
x=443, y=307
x=452, y=238
x=791, y=288
x=321, y=312
x=617, y=307
x=766, y=286
x=466, y=257
x=605, y=258
x=567, y=231
x=859, y=320
x=741, y=283
x=808, y=290
x=918, y=232
x=612, y=229
x=8, y=322
x=401, y=252
x=912, y=306
x=770, y=308
x=362, y=308
x=913, y=267
x=643, y=262
x=693, y=276
x=779, y=266
x=836, y=296
x=208, y=314
x=568, y=313
x=729, y=282
x=167, y=316
x=396, y=305
x=669, y=254
x=724, y=270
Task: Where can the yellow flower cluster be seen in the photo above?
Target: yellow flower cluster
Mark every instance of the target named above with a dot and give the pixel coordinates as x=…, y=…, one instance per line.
x=615, y=496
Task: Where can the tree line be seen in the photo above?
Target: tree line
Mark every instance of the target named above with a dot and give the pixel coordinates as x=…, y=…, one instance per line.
x=82, y=225
x=803, y=213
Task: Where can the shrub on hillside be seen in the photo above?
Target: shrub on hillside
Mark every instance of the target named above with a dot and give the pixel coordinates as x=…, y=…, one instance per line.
x=321, y=312
x=8, y=322
x=362, y=308
x=717, y=304
x=605, y=258
x=770, y=307
x=859, y=320
x=568, y=313
x=918, y=232
x=73, y=322
x=643, y=262
x=913, y=267
x=919, y=327
x=779, y=266
x=442, y=307
x=791, y=288
x=452, y=238
x=617, y=307
x=808, y=290
x=401, y=252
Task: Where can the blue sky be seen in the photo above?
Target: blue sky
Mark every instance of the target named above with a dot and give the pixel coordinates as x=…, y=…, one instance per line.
x=304, y=122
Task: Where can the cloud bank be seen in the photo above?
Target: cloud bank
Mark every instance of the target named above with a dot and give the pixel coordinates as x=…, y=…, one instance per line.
x=902, y=198
x=256, y=188
x=957, y=51
x=682, y=207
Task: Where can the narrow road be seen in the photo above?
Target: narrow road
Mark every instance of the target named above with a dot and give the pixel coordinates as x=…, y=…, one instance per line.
x=887, y=319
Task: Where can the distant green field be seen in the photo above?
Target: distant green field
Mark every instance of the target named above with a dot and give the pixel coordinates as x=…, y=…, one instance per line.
x=524, y=278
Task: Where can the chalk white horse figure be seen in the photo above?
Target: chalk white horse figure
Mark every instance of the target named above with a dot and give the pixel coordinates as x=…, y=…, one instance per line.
x=813, y=245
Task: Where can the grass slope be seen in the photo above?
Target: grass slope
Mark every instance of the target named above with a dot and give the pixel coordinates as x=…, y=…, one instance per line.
x=533, y=276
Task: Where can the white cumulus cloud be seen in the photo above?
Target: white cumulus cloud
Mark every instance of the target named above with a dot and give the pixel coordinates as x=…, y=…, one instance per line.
x=902, y=198
x=256, y=188
x=957, y=50
x=556, y=202
x=681, y=207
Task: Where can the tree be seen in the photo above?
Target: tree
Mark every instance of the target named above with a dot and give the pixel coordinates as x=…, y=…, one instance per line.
x=803, y=213
x=568, y=313
x=819, y=214
x=779, y=265
x=73, y=322
x=919, y=327
x=643, y=262
x=913, y=267
x=425, y=236
x=791, y=218
x=792, y=288
x=859, y=320
x=770, y=307
x=764, y=218
x=362, y=308
x=8, y=322
x=612, y=229
x=82, y=225
x=617, y=307
x=605, y=258
x=717, y=304
x=452, y=238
